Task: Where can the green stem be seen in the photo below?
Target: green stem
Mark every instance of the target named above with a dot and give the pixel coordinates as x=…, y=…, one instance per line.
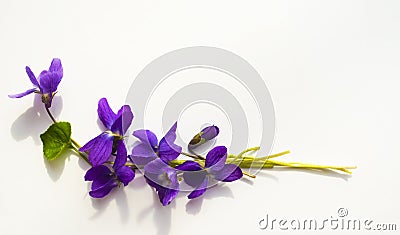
x=74, y=146
x=50, y=115
x=81, y=155
x=240, y=160
x=194, y=156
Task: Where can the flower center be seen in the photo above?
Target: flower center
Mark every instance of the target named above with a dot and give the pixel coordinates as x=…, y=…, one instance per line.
x=164, y=179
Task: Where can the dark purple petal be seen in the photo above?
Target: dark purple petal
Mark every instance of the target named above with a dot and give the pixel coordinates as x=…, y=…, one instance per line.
x=229, y=173
x=147, y=137
x=56, y=66
x=170, y=191
x=194, y=178
x=122, y=155
x=199, y=190
x=167, y=149
x=189, y=166
x=166, y=184
x=30, y=91
x=97, y=172
x=32, y=77
x=125, y=175
x=216, y=158
x=99, y=149
x=151, y=179
x=171, y=134
x=143, y=154
x=210, y=132
x=193, y=173
x=167, y=195
x=157, y=166
x=106, y=115
x=49, y=81
x=123, y=120
x=103, y=186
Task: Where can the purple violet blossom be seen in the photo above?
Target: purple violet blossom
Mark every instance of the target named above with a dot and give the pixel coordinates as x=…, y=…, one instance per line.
x=209, y=132
x=101, y=147
x=156, y=157
x=104, y=179
x=206, y=134
x=215, y=169
x=163, y=178
x=46, y=84
x=149, y=149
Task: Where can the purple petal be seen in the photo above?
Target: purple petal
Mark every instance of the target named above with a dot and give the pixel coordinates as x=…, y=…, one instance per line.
x=216, y=158
x=32, y=77
x=199, y=190
x=97, y=172
x=146, y=136
x=157, y=166
x=122, y=155
x=49, y=81
x=99, y=149
x=193, y=173
x=229, y=173
x=168, y=150
x=194, y=178
x=189, y=166
x=102, y=187
x=30, y=91
x=210, y=132
x=142, y=154
x=171, y=134
x=166, y=184
x=125, y=175
x=167, y=195
x=106, y=115
x=123, y=120
x=56, y=66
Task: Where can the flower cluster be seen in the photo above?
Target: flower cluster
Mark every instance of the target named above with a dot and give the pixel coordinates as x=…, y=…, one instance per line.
x=158, y=160
x=154, y=157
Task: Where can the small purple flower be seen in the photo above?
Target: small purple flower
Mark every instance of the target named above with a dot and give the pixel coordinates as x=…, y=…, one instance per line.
x=206, y=134
x=105, y=179
x=209, y=132
x=46, y=84
x=156, y=157
x=149, y=148
x=116, y=124
x=163, y=178
x=214, y=169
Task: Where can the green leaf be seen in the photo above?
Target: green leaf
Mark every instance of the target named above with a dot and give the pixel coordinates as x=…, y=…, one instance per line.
x=56, y=139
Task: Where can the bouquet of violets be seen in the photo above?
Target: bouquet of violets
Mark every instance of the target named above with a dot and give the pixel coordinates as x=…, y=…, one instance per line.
x=157, y=159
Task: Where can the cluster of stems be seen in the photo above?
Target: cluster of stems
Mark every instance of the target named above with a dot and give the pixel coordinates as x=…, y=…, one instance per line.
x=242, y=160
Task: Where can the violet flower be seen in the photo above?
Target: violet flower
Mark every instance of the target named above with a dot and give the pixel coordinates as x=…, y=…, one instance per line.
x=215, y=169
x=46, y=84
x=163, y=178
x=156, y=157
x=101, y=147
x=105, y=179
x=149, y=148
x=206, y=134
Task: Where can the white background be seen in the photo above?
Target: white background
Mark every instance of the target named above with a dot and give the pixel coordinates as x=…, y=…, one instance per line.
x=332, y=68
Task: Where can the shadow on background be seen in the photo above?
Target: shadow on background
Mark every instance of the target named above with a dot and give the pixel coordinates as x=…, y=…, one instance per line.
x=35, y=120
